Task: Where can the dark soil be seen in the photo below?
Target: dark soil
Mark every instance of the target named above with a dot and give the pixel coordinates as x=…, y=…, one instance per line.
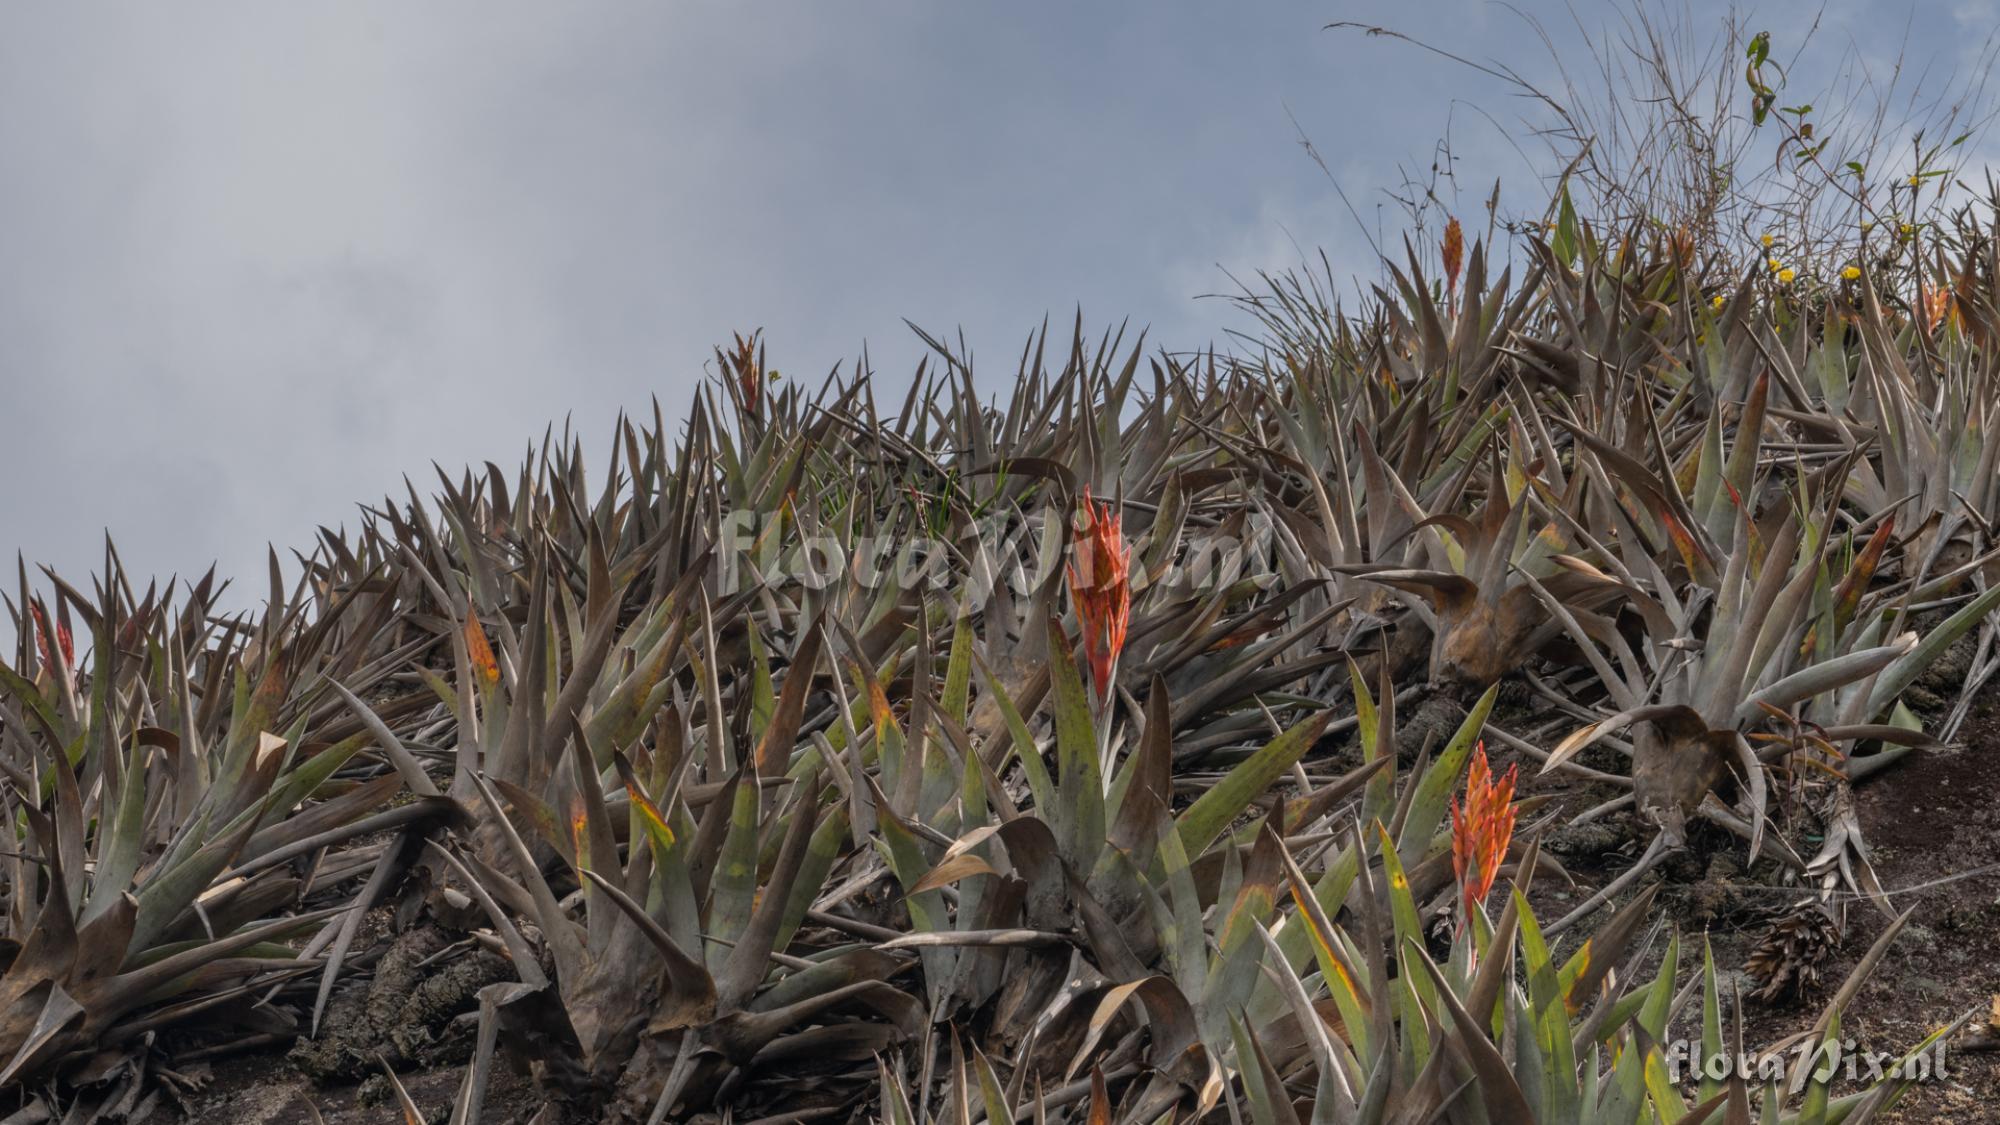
x=408, y=1011
x=261, y=1089
x=1933, y=823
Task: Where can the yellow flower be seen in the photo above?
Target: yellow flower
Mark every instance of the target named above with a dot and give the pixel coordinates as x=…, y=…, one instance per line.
x=1767, y=241
x=1785, y=276
x=1851, y=273
x=1776, y=265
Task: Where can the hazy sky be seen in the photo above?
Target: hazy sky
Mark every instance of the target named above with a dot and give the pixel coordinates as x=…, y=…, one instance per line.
x=258, y=261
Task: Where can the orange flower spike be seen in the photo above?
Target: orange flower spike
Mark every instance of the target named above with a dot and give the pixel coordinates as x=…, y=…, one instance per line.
x=64, y=644
x=1681, y=244
x=1101, y=589
x=1481, y=829
x=746, y=363
x=479, y=652
x=41, y=635
x=1454, y=255
x=1935, y=301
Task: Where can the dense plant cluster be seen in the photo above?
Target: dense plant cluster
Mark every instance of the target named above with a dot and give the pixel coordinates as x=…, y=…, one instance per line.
x=830, y=757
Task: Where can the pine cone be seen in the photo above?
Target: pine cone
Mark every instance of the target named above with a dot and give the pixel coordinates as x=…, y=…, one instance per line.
x=1787, y=960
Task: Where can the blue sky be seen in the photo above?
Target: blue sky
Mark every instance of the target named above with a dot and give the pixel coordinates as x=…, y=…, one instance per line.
x=259, y=261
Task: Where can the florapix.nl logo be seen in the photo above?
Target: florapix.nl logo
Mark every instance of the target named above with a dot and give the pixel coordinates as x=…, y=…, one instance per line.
x=1836, y=1060
x=1017, y=550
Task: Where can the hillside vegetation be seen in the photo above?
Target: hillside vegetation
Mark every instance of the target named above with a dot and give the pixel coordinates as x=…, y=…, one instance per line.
x=1171, y=738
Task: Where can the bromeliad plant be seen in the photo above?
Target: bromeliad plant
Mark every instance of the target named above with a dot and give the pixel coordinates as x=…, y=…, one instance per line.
x=168, y=789
x=1767, y=630
x=1100, y=589
x=1480, y=831
x=1488, y=596
x=709, y=793
x=1051, y=816
x=1147, y=935
x=1506, y=1030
